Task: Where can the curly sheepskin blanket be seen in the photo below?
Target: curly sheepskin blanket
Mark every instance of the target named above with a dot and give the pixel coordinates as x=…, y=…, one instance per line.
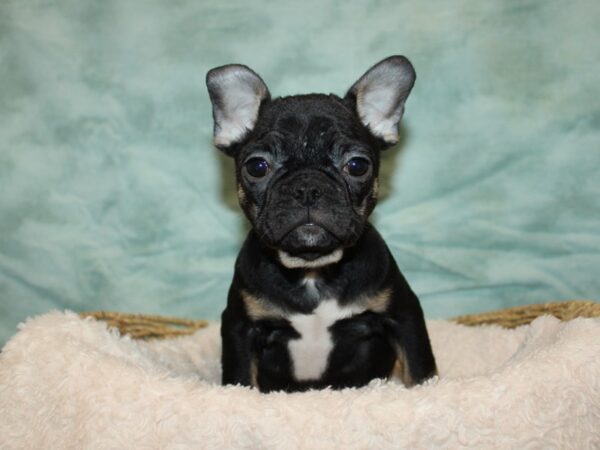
x=67, y=382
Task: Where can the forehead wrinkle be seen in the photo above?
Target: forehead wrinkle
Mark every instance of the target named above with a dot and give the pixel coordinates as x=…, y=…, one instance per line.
x=269, y=141
x=309, y=128
x=303, y=136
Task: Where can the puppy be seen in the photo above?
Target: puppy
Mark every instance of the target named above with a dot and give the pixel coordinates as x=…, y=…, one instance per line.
x=317, y=299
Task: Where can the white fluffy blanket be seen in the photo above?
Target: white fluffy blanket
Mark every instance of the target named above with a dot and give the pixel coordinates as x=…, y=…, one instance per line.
x=70, y=383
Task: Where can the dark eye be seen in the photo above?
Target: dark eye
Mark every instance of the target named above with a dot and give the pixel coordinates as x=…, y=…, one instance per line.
x=357, y=166
x=257, y=167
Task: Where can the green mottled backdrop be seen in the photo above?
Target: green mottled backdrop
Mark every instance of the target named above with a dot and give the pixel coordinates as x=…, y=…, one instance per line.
x=111, y=196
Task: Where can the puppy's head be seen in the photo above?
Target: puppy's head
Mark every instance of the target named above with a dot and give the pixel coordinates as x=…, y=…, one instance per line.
x=307, y=165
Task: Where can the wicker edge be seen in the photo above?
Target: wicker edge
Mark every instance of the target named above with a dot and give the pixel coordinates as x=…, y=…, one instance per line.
x=523, y=315
x=142, y=326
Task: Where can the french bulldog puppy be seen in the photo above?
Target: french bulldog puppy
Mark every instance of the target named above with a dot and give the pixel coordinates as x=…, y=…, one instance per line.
x=317, y=299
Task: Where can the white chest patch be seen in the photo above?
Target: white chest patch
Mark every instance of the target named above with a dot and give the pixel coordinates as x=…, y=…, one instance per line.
x=311, y=351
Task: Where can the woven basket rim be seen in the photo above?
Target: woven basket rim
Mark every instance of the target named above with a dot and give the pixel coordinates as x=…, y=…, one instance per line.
x=524, y=314
x=147, y=326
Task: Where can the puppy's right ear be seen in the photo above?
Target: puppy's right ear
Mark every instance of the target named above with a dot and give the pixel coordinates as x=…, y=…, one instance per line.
x=379, y=96
x=236, y=93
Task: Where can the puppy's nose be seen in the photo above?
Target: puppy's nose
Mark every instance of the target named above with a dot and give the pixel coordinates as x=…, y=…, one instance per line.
x=307, y=195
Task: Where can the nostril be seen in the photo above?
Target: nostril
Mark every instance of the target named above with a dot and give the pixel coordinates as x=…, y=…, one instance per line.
x=314, y=194
x=299, y=193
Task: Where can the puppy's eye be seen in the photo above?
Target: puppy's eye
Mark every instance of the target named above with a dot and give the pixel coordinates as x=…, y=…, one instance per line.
x=257, y=167
x=357, y=167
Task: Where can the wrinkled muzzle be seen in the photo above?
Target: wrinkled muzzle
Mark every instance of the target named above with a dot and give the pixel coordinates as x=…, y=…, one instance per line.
x=308, y=213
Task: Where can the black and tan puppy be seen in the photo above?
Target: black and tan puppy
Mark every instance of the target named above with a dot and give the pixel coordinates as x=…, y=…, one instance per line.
x=316, y=299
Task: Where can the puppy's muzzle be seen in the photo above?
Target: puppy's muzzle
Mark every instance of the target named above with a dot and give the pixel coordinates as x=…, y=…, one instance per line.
x=307, y=211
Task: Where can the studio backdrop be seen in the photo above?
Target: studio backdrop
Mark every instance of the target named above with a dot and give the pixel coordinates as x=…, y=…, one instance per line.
x=113, y=198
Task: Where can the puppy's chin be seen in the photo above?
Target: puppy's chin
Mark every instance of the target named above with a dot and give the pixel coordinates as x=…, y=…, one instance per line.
x=309, y=245
x=318, y=260
x=309, y=239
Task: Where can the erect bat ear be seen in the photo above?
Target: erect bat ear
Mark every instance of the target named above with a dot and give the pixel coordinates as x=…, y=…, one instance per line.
x=236, y=93
x=379, y=96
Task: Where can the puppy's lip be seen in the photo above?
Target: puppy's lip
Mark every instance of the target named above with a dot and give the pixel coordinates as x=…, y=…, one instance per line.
x=310, y=228
x=313, y=227
x=308, y=239
x=309, y=256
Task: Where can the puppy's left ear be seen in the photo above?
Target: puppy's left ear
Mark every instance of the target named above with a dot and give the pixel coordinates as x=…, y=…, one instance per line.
x=236, y=93
x=379, y=96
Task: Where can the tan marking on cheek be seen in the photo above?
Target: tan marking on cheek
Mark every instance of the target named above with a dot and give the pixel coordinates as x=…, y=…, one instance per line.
x=375, y=191
x=362, y=209
x=241, y=195
x=257, y=308
x=380, y=301
x=401, y=369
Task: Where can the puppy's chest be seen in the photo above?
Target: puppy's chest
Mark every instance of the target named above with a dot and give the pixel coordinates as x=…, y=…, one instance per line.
x=309, y=353
x=335, y=341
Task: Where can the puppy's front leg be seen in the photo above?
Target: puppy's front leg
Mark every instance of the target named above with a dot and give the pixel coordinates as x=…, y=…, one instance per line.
x=236, y=359
x=415, y=362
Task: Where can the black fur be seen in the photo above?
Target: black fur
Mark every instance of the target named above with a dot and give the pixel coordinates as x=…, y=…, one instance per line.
x=307, y=206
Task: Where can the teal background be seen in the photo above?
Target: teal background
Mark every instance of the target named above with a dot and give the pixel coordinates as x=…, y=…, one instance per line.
x=112, y=198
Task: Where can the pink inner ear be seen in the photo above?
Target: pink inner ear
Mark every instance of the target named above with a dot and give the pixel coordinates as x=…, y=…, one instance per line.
x=236, y=93
x=236, y=122
x=376, y=112
x=380, y=96
x=238, y=115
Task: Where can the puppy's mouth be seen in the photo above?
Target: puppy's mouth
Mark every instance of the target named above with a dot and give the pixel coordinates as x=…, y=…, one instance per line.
x=309, y=241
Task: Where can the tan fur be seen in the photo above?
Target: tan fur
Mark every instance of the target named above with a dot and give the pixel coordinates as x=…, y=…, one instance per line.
x=380, y=301
x=311, y=274
x=241, y=195
x=254, y=373
x=362, y=209
x=258, y=308
x=375, y=191
x=401, y=369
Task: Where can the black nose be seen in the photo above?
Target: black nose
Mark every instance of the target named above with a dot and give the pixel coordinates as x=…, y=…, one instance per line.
x=306, y=195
